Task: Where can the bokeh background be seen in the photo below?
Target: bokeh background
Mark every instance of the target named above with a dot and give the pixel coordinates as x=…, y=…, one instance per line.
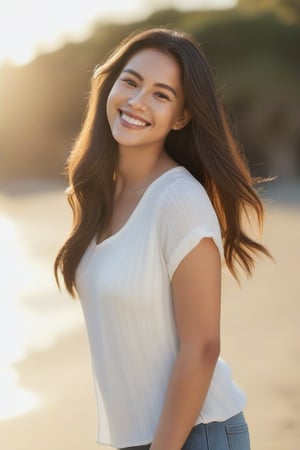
x=47, y=56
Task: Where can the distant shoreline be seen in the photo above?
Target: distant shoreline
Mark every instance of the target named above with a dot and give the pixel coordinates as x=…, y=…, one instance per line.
x=285, y=191
x=31, y=186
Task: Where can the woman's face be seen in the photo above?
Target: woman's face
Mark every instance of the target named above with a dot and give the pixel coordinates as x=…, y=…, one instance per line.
x=146, y=101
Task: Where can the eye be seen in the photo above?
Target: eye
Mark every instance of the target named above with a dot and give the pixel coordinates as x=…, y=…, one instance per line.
x=162, y=96
x=129, y=81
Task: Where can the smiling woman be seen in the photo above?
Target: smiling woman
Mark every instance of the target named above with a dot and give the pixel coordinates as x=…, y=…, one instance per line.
x=159, y=191
x=140, y=101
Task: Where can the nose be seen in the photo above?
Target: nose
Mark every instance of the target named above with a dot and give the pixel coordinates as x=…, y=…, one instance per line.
x=138, y=101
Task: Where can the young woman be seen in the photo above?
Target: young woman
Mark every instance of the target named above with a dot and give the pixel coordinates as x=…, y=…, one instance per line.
x=159, y=192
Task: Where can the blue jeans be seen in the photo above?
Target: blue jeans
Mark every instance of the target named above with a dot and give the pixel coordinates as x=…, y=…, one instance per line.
x=232, y=434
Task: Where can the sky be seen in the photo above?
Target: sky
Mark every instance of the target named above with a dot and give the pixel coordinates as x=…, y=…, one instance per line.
x=28, y=27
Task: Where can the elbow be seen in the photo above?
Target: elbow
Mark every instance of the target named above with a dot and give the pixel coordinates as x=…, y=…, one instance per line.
x=207, y=352
x=211, y=351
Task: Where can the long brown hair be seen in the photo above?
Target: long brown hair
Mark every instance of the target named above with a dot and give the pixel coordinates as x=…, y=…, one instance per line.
x=205, y=146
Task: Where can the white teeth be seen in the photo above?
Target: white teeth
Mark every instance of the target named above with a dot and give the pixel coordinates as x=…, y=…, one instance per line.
x=133, y=121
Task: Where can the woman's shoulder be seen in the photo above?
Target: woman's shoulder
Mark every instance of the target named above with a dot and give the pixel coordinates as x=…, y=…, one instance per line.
x=181, y=186
x=185, y=215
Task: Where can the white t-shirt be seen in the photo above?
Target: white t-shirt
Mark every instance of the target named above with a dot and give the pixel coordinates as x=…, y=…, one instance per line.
x=124, y=285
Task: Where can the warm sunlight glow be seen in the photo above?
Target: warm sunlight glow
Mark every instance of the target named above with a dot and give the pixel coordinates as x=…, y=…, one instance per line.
x=28, y=27
x=30, y=319
x=15, y=400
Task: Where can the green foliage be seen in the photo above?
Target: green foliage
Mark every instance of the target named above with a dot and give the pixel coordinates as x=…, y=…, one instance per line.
x=255, y=59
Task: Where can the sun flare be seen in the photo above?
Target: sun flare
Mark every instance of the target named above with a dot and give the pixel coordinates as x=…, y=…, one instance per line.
x=30, y=27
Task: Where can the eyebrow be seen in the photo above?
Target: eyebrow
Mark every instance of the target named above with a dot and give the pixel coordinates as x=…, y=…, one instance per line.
x=162, y=85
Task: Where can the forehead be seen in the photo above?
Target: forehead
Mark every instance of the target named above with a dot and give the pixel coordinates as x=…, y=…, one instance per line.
x=154, y=64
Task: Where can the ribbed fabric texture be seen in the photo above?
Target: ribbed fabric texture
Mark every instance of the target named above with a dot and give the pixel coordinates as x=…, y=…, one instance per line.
x=124, y=285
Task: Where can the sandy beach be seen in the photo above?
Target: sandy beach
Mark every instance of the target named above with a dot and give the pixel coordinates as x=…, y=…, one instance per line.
x=260, y=338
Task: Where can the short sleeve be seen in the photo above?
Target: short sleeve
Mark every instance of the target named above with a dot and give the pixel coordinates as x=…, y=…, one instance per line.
x=186, y=217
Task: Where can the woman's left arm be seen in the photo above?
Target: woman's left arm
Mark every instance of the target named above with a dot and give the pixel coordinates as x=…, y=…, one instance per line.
x=196, y=287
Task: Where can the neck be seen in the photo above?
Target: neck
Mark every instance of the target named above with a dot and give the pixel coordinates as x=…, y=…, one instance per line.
x=137, y=168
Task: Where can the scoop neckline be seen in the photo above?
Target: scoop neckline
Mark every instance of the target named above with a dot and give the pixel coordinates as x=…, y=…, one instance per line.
x=137, y=207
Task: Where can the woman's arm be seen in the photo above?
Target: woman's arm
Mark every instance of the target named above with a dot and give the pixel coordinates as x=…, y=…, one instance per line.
x=196, y=289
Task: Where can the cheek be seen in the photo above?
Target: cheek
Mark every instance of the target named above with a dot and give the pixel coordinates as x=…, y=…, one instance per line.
x=115, y=96
x=110, y=104
x=169, y=117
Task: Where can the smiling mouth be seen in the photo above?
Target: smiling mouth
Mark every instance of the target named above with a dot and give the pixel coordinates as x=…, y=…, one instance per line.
x=133, y=121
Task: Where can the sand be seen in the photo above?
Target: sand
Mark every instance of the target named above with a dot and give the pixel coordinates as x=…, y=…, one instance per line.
x=260, y=340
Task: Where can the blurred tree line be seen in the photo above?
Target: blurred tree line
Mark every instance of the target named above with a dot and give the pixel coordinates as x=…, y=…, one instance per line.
x=254, y=51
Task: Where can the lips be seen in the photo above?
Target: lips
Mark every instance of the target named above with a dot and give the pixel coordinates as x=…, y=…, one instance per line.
x=133, y=120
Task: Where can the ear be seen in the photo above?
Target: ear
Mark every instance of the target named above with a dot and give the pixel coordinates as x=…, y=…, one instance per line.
x=182, y=120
